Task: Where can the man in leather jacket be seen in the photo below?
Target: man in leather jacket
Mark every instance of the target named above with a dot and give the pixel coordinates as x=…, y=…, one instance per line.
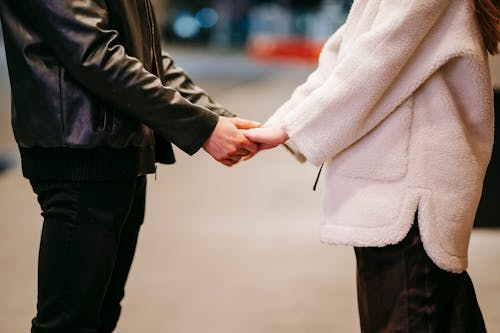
x=95, y=103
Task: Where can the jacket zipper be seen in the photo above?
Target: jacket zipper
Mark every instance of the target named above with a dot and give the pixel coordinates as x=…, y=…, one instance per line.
x=152, y=55
x=157, y=58
x=149, y=14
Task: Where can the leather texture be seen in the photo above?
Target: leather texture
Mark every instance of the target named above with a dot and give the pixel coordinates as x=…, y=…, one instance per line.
x=90, y=73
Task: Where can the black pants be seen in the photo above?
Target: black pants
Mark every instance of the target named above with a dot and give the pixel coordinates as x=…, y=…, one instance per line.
x=87, y=245
x=401, y=290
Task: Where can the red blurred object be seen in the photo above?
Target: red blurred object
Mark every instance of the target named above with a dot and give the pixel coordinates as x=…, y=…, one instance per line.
x=271, y=48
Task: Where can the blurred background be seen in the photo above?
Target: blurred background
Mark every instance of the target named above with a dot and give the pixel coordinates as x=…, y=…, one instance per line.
x=230, y=249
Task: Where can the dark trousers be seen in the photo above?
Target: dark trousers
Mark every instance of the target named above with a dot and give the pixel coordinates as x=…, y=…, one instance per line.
x=401, y=290
x=87, y=245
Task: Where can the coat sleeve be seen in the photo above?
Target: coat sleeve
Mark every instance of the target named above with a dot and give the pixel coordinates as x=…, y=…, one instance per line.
x=176, y=78
x=344, y=108
x=79, y=34
x=327, y=61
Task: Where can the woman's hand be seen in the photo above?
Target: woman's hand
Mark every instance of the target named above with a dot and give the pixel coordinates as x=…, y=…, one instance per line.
x=266, y=138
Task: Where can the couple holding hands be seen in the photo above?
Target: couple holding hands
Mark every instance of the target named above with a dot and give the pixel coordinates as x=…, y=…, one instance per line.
x=399, y=110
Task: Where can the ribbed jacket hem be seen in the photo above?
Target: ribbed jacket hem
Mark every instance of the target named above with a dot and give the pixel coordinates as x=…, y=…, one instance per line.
x=86, y=165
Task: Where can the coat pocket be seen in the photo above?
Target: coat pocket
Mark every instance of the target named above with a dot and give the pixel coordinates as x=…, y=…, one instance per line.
x=382, y=154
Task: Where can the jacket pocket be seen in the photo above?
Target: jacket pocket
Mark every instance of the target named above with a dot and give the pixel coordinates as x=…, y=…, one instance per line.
x=383, y=153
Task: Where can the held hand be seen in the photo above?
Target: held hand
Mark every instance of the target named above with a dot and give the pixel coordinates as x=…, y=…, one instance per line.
x=227, y=144
x=266, y=138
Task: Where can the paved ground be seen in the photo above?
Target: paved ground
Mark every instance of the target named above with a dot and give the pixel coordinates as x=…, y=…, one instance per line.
x=224, y=250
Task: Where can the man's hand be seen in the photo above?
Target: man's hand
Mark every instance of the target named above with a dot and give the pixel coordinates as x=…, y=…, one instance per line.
x=228, y=144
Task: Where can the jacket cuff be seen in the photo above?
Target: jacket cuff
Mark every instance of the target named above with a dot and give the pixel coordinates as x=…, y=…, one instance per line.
x=226, y=113
x=205, y=130
x=220, y=111
x=305, y=144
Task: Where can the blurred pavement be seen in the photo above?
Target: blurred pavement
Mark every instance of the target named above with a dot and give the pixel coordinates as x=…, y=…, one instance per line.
x=222, y=250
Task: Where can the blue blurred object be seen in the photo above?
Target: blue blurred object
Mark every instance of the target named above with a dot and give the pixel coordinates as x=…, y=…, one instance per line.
x=207, y=17
x=7, y=161
x=186, y=26
x=230, y=24
x=2, y=53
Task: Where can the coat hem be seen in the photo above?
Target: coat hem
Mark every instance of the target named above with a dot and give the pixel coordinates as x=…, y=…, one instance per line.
x=390, y=235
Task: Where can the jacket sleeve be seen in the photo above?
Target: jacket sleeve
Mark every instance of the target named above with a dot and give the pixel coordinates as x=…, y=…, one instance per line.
x=344, y=108
x=327, y=61
x=79, y=34
x=176, y=78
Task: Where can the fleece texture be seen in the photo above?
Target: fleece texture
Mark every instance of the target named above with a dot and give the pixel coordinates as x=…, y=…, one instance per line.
x=400, y=109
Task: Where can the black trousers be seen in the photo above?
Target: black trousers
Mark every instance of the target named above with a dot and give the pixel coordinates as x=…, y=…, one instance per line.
x=87, y=246
x=401, y=290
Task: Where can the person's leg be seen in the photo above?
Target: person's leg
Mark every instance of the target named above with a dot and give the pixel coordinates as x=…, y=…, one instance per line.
x=462, y=312
x=401, y=290
x=111, y=307
x=79, y=242
x=380, y=285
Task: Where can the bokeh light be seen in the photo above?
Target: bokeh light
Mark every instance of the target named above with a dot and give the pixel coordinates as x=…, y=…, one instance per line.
x=207, y=17
x=186, y=26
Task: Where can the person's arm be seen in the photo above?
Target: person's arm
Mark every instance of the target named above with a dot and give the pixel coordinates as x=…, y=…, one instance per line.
x=176, y=78
x=79, y=34
x=326, y=64
x=345, y=107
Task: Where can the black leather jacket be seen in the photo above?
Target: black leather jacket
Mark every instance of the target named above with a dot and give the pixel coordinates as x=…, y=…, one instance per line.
x=90, y=73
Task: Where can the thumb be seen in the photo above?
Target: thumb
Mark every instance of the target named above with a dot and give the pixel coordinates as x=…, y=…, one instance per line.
x=244, y=123
x=253, y=134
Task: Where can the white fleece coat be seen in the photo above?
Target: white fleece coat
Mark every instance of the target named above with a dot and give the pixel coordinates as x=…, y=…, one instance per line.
x=400, y=109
